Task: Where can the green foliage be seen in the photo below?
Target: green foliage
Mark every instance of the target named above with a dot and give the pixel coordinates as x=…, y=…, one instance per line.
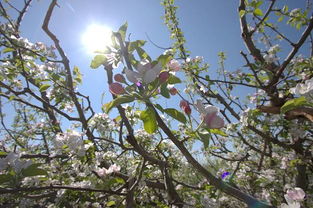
x=44, y=87
x=149, y=120
x=135, y=44
x=179, y=116
x=5, y=178
x=258, y=12
x=173, y=79
x=293, y=104
x=205, y=138
x=33, y=170
x=242, y=13
x=164, y=59
x=110, y=203
x=164, y=91
x=122, y=30
x=97, y=61
x=77, y=75
x=118, y=101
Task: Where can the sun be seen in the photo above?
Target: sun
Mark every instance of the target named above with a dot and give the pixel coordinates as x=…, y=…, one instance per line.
x=96, y=38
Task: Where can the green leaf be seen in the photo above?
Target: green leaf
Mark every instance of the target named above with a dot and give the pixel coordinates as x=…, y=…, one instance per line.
x=242, y=13
x=135, y=44
x=205, y=138
x=122, y=30
x=164, y=59
x=217, y=131
x=164, y=91
x=33, y=170
x=44, y=87
x=179, y=116
x=258, y=12
x=173, y=79
x=97, y=61
x=293, y=104
x=149, y=120
x=281, y=18
x=142, y=54
x=7, y=50
x=4, y=178
x=3, y=153
x=285, y=9
x=258, y=4
x=159, y=107
x=43, y=59
x=78, y=75
x=12, y=97
x=298, y=26
x=119, y=180
x=118, y=101
x=110, y=203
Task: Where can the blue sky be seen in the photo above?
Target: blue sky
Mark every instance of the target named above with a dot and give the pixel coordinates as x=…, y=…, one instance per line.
x=210, y=26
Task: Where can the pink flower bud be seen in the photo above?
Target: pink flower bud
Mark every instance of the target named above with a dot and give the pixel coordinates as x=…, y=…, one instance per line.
x=116, y=88
x=173, y=91
x=184, y=105
x=174, y=65
x=119, y=78
x=163, y=76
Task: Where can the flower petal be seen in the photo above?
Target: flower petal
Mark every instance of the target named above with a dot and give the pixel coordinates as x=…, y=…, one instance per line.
x=200, y=107
x=211, y=109
x=213, y=121
x=150, y=76
x=157, y=68
x=143, y=66
x=132, y=76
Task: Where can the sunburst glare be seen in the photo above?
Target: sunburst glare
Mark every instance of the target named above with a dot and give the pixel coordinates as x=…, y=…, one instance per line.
x=96, y=38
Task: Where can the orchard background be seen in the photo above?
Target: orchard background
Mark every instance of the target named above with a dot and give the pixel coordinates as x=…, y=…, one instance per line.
x=149, y=123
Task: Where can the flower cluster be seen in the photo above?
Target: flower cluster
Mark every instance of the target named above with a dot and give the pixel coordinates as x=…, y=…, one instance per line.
x=293, y=198
x=101, y=122
x=103, y=172
x=72, y=140
x=145, y=73
x=271, y=55
x=305, y=89
x=209, y=115
x=13, y=160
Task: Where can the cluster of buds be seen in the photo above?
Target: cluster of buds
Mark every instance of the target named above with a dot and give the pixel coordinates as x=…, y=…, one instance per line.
x=144, y=73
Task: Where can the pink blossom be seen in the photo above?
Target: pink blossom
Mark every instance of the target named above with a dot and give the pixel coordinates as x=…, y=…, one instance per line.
x=209, y=115
x=296, y=194
x=145, y=73
x=116, y=88
x=174, y=65
x=213, y=121
x=102, y=172
x=114, y=168
x=293, y=198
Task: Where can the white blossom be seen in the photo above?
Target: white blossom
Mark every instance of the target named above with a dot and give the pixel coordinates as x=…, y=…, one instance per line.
x=145, y=72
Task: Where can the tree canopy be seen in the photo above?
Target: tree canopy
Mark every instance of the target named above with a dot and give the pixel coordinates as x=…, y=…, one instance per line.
x=210, y=148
